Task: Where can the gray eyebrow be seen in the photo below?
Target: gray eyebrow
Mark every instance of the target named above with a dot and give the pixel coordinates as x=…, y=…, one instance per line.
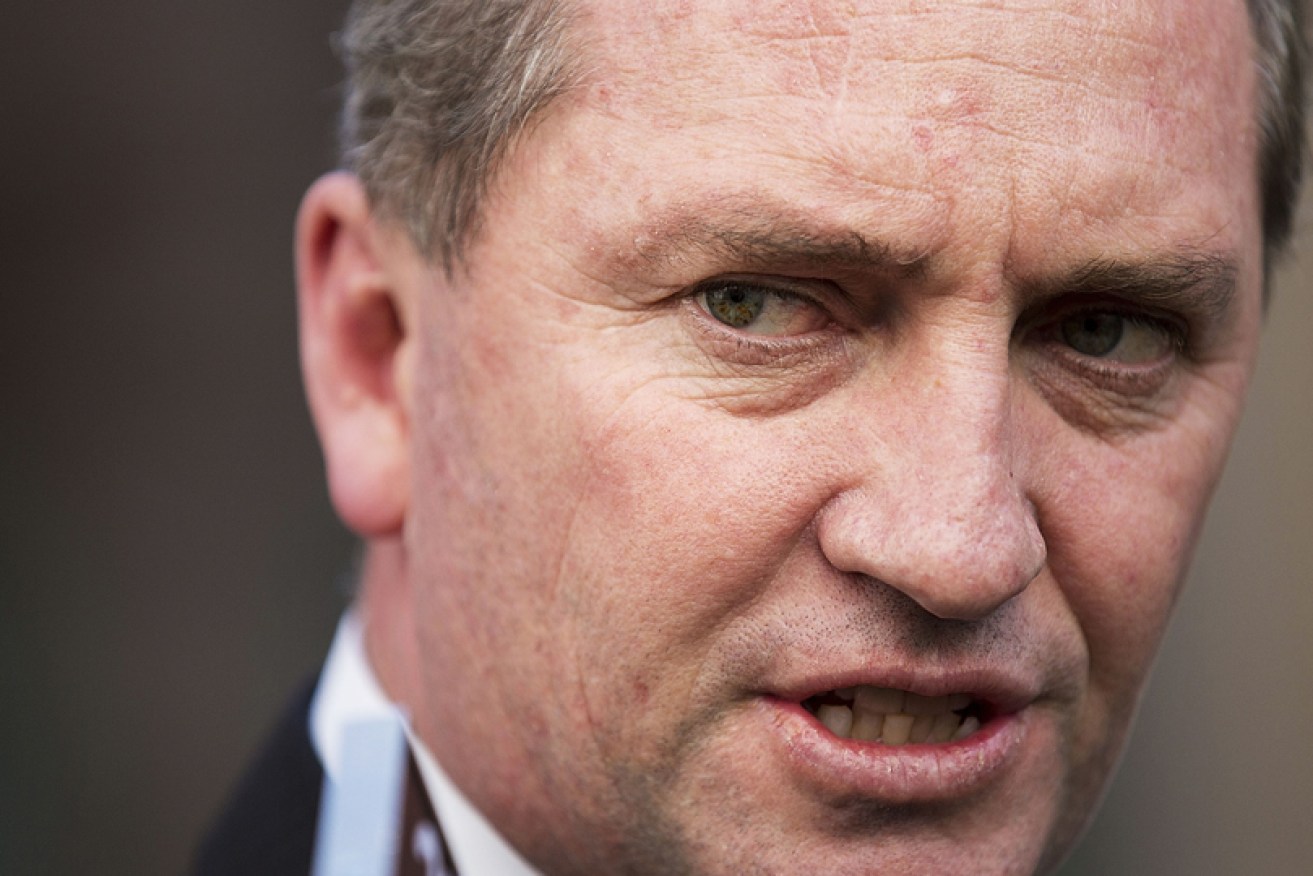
x=753, y=237
x=755, y=233
x=786, y=243
x=1188, y=281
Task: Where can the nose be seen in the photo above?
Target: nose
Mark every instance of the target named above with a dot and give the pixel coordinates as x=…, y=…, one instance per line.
x=937, y=506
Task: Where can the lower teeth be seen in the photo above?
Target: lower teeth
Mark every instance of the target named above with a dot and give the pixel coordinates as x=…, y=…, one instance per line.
x=894, y=729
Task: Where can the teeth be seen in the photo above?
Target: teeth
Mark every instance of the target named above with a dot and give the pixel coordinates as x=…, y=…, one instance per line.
x=945, y=727
x=879, y=699
x=921, y=727
x=969, y=726
x=895, y=717
x=839, y=719
x=919, y=705
x=867, y=726
x=897, y=729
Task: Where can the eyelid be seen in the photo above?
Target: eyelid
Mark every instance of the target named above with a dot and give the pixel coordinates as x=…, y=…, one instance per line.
x=1134, y=383
x=804, y=313
x=823, y=294
x=789, y=286
x=1050, y=314
x=775, y=354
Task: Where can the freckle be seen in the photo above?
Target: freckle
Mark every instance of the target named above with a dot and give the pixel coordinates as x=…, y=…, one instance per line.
x=565, y=308
x=924, y=137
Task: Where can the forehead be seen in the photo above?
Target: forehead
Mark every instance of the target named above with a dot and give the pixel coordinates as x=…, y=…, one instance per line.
x=1065, y=116
x=940, y=59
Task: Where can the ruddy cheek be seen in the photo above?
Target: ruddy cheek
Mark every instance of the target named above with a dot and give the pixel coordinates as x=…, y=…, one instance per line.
x=1116, y=536
x=1124, y=586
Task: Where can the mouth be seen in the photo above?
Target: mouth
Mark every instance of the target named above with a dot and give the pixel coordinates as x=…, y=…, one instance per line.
x=908, y=737
x=896, y=717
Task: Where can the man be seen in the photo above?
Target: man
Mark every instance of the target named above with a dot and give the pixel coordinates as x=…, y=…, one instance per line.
x=779, y=430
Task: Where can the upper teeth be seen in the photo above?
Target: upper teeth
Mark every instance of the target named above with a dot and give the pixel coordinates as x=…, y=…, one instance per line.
x=895, y=717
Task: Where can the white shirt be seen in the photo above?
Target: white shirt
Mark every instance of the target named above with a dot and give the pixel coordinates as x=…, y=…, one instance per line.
x=348, y=692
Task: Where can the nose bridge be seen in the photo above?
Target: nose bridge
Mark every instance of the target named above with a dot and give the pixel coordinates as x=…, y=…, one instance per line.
x=939, y=509
x=957, y=445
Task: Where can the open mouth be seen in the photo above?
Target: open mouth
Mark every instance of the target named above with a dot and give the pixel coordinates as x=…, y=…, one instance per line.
x=896, y=717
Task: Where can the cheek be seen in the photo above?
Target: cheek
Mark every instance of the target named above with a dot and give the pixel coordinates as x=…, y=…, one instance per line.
x=590, y=523
x=494, y=476
x=687, y=517
x=1120, y=527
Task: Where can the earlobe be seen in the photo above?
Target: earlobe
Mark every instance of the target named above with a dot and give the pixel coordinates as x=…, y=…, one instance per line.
x=354, y=322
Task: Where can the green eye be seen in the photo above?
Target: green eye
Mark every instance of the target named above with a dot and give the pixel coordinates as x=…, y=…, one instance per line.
x=1093, y=334
x=735, y=305
x=761, y=308
x=1119, y=337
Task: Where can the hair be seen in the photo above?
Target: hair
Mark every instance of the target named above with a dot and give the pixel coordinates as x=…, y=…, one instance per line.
x=438, y=90
x=436, y=93
x=1280, y=54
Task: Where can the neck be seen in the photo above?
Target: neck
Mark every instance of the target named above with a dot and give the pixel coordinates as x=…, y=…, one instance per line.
x=386, y=607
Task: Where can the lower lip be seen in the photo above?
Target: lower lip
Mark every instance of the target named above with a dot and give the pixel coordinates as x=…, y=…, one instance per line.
x=912, y=773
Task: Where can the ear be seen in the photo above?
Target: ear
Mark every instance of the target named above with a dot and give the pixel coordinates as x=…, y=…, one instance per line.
x=354, y=328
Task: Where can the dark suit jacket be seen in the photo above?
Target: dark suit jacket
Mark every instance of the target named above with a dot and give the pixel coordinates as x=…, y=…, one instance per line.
x=268, y=826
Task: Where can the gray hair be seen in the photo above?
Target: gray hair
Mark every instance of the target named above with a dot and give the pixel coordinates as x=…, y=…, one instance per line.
x=1280, y=53
x=437, y=90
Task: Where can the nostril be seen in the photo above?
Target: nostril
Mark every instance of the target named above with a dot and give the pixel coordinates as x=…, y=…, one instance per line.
x=965, y=598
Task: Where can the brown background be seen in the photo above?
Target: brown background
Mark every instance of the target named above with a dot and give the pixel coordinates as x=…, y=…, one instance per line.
x=169, y=566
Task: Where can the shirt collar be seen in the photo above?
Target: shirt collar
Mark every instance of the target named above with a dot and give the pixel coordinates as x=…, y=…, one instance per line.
x=348, y=691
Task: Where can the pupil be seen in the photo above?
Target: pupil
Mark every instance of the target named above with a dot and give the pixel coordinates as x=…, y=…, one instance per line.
x=735, y=306
x=1093, y=334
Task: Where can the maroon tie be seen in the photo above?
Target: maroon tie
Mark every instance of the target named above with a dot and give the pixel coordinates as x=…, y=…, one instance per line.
x=423, y=849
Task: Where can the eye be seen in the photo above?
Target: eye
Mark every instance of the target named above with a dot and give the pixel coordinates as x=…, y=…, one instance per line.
x=757, y=309
x=1117, y=337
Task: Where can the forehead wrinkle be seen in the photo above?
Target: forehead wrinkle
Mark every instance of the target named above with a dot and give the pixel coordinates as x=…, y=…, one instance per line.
x=1098, y=43
x=827, y=39
x=973, y=82
x=1103, y=189
x=1027, y=141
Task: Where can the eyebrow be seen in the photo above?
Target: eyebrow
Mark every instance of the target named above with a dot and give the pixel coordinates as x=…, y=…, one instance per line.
x=1187, y=280
x=739, y=231
x=755, y=238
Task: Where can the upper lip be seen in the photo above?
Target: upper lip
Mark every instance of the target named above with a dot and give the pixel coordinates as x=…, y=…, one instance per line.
x=1004, y=690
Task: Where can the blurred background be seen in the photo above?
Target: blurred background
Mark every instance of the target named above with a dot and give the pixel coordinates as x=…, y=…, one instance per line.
x=170, y=567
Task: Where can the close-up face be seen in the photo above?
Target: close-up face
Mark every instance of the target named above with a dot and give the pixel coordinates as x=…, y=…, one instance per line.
x=806, y=459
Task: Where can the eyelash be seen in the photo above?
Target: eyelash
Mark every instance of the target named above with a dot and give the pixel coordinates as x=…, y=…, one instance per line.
x=753, y=350
x=784, y=291
x=1128, y=379
x=769, y=348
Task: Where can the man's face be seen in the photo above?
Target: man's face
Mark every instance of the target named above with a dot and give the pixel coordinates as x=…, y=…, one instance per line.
x=814, y=346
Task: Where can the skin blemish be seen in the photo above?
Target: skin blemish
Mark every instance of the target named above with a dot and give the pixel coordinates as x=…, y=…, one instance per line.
x=923, y=137
x=959, y=103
